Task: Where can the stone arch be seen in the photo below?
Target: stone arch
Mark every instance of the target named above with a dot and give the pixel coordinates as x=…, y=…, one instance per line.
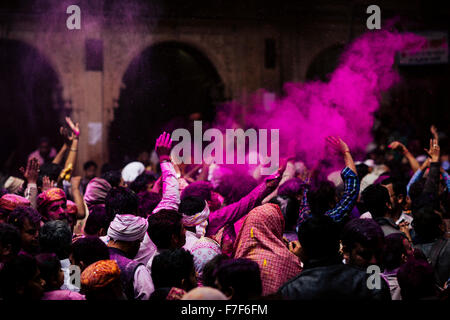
x=32, y=104
x=196, y=72
x=324, y=62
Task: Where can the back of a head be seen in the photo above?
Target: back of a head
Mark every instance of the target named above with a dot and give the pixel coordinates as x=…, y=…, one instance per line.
x=375, y=199
x=10, y=237
x=21, y=214
x=15, y=277
x=362, y=170
x=89, y=164
x=319, y=237
x=162, y=226
x=367, y=233
x=56, y=237
x=398, y=185
x=172, y=268
x=198, y=189
x=191, y=205
x=209, y=270
x=416, y=280
x=204, y=293
x=51, y=170
x=148, y=201
x=427, y=224
x=234, y=186
x=289, y=207
x=113, y=177
x=96, y=220
x=291, y=188
x=89, y=250
x=49, y=266
x=239, y=278
x=394, y=251
x=323, y=198
x=121, y=200
x=142, y=181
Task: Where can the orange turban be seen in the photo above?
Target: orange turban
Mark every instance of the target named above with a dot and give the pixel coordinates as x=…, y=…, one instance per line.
x=100, y=274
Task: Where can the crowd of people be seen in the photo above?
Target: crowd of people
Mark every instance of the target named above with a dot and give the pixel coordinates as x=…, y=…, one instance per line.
x=375, y=230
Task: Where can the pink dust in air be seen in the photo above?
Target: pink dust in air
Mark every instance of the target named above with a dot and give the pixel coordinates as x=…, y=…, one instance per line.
x=343, y=106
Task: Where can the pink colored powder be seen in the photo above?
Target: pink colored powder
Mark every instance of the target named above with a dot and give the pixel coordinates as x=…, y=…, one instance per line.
x=344, y=105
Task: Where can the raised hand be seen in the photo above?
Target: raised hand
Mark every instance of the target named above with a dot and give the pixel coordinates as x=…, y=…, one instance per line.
x=434, y=151
x=434, y=132
x=74, y=127
x=32, y=171
x=397, y=145
x=163, y=146
x=337, y=144
x=47, y=183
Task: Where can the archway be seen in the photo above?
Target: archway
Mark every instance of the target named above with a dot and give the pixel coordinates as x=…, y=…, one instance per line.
x=324, y=63
x=167, y=86
x=30, y=103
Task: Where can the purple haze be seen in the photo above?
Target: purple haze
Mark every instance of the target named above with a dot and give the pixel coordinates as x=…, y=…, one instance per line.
x=343, y=106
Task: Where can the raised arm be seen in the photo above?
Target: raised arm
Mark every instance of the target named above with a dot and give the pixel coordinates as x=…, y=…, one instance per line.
x=77, y=197
x=432, y=181
x=233, y=212
x=62, y=152
x=414, y=164
x=31, y=175
x=71, y=158
x=341, y=147
x=170, y=185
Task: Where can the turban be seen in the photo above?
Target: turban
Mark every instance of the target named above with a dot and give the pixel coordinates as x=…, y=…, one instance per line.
x=198, y=220
x=11, y=201
x=100, y=274
x=96, y=191
x=49, y=196
x=131, y=171
x=13, y=184
x=127, y=227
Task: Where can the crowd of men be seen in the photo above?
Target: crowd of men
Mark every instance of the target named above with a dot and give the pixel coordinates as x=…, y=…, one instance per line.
x=375, y=230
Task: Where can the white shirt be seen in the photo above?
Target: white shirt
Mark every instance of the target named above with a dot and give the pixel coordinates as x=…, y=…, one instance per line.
x=143, y=284
x=171, y=188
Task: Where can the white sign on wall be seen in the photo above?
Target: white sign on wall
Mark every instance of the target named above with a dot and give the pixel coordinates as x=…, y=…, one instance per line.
x=95, y=132
x=435, y=50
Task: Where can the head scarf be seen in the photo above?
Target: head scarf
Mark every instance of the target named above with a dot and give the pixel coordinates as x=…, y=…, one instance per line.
x=203, y=250
x=204, y=293
x=11, y=201
x=96, y=191
x=260, y=240
x=13, y=184
x=127, y=227
x=53, y=194
x=132, y=170
x=198, y=220
x=100, y=274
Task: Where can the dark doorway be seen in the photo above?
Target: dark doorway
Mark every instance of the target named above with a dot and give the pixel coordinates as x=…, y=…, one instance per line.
x=30, y=103
x=165, y=88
